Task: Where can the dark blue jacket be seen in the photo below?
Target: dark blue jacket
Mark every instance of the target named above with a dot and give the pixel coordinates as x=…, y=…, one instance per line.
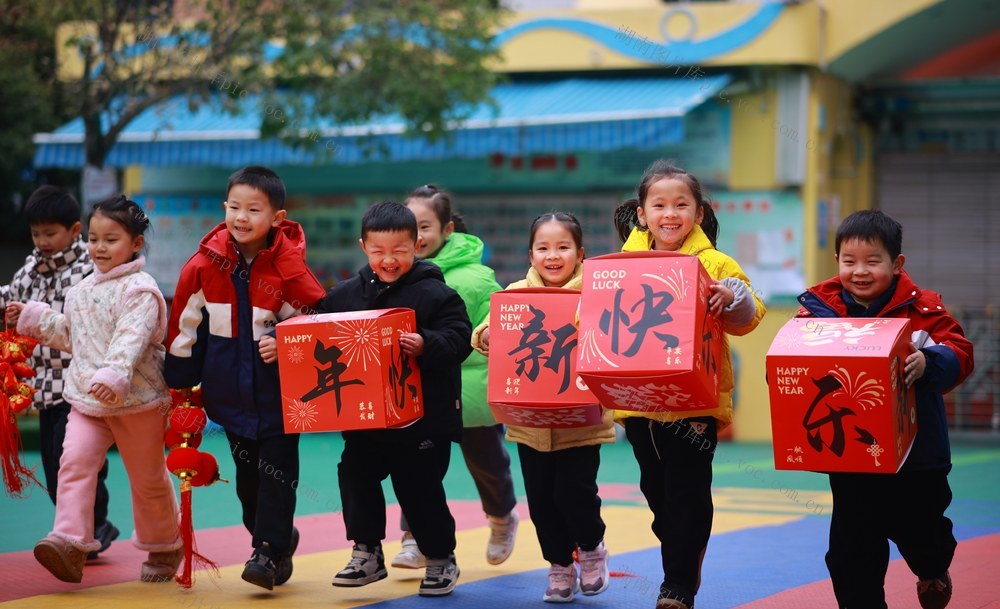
x=221, y=308
x=948, y=353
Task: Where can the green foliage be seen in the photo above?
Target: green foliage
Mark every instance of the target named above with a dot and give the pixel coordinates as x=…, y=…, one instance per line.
x=425, y=60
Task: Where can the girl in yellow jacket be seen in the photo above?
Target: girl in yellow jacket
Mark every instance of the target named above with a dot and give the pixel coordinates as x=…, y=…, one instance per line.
x=560, y=465
x=671, y=213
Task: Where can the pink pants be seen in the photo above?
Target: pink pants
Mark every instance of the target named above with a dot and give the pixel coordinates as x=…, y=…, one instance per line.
x=139, y=438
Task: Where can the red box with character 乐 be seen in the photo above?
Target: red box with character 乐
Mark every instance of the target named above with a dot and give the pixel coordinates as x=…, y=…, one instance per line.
x=647, y=340
x=345, y=371
x=532, y=365
x=838, y=398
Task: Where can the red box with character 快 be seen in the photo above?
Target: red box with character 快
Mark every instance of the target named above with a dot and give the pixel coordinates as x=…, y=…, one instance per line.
x=647, y=340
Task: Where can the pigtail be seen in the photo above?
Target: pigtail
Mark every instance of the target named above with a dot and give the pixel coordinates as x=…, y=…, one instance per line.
x=710, y=223
x=627, y=218
x=459, y=221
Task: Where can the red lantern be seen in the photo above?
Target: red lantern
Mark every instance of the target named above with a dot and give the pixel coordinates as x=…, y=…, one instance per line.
x=15, y=397
x=186, y=420
x=183, y=462
x=173, y=439
x=208, y=471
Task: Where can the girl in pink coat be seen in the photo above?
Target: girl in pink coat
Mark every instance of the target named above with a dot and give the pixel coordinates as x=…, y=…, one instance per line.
x=113, y=324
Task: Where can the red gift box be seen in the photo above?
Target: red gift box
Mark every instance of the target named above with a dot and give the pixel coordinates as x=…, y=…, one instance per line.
x=345, y=371
x=532, y=364
x=647, y=341
x=838, y=400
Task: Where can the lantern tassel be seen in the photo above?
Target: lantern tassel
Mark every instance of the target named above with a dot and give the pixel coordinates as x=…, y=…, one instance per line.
x=192, y=559
x=16, y=477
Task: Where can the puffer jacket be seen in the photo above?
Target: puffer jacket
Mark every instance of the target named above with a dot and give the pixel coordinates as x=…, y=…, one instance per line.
x=540, y=438
x=461, y=261
x=720, y=267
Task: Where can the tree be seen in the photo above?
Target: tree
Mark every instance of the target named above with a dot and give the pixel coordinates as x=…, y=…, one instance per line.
x=425, y=60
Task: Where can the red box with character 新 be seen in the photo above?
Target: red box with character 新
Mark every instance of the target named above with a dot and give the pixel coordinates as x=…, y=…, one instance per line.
x=839, y=402
x=647, y=340
x=532, y=379
x=346, y=371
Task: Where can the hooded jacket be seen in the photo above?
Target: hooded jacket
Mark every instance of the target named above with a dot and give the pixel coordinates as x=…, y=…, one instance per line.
x=461, y=261
x=48, y=279
x=113, y=325
x=221, y=309
x=720, y=267
x=949, y=357
x=540, y=438
x=443, y=323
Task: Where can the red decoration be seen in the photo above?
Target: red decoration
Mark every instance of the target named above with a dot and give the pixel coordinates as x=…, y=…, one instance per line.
x=15, y=397
x=193, y=467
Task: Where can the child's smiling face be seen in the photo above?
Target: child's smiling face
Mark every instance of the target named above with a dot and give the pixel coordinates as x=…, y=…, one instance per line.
x=390, y=253
x=670, y=212
x=554, y=254
x=867, y=269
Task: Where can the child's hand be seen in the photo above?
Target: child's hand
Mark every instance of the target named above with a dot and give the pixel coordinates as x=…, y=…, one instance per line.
x=103, y=393
x=721, y=298
x=13, y=313
x=915, y=365
x=411, y=343
x=268, y=349
x=484, y=339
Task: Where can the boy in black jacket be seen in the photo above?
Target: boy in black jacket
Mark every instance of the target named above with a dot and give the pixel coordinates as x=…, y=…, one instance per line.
x=415, y=457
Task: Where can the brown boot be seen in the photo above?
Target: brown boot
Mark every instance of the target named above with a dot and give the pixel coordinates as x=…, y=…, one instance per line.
x=161, y=566
x=61, y=558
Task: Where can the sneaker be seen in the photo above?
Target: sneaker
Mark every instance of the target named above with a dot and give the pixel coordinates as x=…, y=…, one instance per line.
x=934, y=593
x=61, y=558
x=367, y=565
x=283, y=566
x=440, y=577
x=671, y=600
x=594, y=573
x=562, y=584
x=260, y=569
x=502, y=532
x=161, y=567
x=104, y=533
x=410, y=557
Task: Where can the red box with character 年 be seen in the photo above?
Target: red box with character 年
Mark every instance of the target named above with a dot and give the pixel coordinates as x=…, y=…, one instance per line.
x=647, y=340
x=345, y=371
x=532, y=365
x=838, y=398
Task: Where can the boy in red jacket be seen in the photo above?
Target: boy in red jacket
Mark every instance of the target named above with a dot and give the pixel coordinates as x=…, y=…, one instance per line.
x=248, y=274
x=907, y=507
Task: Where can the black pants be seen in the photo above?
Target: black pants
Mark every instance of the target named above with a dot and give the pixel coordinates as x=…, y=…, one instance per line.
x=675, y=475
x=871, y=509
x=562, y=499
x=416, y=469
x=489, y=463
x=267, y=474
x=52, y=428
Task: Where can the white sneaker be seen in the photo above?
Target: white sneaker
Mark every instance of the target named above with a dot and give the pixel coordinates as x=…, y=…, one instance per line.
x=594, y=572
x=562, y=584
x=440, y=577
x=410, y=557
x=502, y=533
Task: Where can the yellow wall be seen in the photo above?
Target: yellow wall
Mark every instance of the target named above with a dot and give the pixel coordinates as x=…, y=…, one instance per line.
x=752, y=413
x=753, y=141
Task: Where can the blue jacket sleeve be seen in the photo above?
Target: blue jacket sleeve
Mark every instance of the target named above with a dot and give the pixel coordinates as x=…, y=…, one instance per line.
x=942, y=371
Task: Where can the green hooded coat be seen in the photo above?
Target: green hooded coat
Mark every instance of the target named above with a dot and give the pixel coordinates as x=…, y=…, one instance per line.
x=461, y=261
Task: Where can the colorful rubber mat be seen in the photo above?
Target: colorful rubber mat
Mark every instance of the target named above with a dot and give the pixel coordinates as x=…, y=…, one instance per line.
x=766, y=550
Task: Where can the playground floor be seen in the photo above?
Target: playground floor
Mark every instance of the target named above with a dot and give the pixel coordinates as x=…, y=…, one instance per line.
x=766, y=550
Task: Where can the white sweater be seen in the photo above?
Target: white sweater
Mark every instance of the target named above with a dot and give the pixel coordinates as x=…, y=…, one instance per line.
x=113, y=324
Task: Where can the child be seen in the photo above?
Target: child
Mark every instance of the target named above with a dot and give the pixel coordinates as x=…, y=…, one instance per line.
x=248, y=274
x=460, y=257
x=907, y=507
x=59, y=262
x=675, y=453
x=560, y=465
x=113, y=323
x=415, y=457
